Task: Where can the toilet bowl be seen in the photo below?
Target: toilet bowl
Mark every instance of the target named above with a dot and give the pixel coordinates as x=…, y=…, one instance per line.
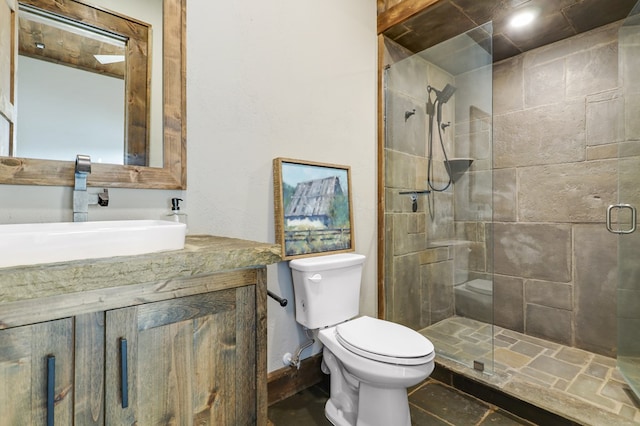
x=360, y=355
x=372, y=362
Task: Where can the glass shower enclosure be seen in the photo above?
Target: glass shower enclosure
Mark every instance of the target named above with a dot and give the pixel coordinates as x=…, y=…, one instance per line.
x=438, y=194
x=622, y=217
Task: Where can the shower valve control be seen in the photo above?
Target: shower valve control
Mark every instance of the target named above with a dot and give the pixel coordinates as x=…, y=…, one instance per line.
x=413, y=196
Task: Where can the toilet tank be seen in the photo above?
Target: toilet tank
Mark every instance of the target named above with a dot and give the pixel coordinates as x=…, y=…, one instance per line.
x=327, y=288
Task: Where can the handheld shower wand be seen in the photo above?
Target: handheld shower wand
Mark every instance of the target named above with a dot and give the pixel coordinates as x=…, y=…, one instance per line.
x=442, y=97
x=435, y=109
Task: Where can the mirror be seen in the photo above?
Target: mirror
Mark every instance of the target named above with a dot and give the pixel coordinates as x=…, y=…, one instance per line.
x=137, y=88
x=84, y=83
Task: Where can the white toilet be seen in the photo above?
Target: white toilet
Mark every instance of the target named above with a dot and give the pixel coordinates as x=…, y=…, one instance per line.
x=372, y=362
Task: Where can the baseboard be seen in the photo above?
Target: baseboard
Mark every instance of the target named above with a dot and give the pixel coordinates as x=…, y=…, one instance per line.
x=288, y=381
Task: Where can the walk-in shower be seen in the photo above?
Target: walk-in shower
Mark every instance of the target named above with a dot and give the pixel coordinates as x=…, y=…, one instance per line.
x=510, y=269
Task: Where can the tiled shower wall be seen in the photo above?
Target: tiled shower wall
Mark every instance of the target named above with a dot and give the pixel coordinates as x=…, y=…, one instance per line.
x=557, y=122
x=556, y=128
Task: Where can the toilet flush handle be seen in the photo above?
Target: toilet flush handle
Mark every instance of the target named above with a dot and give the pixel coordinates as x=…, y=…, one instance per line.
x=315, y=278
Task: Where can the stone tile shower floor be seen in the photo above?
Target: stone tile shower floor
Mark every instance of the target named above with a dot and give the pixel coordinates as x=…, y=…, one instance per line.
x=578, y=385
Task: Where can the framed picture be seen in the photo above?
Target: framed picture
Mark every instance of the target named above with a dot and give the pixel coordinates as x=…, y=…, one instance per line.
x=313, y=210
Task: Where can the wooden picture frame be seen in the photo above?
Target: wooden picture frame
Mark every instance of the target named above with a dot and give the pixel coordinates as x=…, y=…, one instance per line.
x=313, y=208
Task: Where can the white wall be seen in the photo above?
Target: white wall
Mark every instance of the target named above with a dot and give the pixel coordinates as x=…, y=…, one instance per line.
x=294, y=78
x=297, y=79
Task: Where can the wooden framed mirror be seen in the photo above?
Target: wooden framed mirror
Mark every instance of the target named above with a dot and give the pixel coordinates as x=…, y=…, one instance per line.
x=30, y=171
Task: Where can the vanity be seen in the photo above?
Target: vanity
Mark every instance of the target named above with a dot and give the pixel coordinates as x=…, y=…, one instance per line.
x=176, y=337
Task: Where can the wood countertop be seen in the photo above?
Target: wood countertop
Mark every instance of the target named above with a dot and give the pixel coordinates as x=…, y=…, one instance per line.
x=202, y=255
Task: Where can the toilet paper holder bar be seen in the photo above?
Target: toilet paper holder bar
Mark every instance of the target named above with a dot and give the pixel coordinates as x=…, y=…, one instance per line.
x=280, y=300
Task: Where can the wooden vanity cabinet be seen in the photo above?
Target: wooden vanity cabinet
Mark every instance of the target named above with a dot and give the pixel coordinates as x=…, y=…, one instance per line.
x=190, y=353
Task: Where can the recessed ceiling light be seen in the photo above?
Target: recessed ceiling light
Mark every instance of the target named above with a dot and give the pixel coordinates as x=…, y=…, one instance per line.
x=523, y=18
x=39, y=45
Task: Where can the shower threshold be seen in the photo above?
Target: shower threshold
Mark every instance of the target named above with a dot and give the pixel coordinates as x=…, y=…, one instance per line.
x=573, y=384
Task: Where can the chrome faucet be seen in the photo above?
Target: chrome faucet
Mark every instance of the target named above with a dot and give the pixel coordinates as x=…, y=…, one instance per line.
x=81, y=197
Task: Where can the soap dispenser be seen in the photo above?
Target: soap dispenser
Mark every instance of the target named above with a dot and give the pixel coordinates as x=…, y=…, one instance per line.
x=175, y=214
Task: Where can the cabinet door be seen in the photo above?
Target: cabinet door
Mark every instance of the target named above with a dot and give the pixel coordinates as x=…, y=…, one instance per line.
x=189, y=361
x=89, y=369
x=26, y=367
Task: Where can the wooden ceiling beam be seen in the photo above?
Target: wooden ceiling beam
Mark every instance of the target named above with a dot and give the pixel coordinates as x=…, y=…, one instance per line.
x=401, y=12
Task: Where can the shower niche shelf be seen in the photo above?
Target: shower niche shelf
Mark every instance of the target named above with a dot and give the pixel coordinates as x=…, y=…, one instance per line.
x=456, y=167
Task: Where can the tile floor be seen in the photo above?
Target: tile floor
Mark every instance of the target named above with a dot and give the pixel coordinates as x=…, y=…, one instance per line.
x=583, y=387
x=432, y=404
x=572, y=384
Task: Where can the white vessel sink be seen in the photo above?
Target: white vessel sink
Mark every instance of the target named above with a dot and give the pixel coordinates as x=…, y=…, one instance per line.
x=33, y=243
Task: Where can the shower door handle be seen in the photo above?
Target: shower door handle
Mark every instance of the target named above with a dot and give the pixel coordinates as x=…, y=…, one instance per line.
x=634, y=215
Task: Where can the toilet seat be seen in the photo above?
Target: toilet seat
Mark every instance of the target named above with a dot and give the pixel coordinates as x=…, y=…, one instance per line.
x=384, y=341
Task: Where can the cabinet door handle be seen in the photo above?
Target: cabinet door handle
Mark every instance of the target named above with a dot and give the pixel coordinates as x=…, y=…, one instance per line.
x=51, y=385
x=124, y=373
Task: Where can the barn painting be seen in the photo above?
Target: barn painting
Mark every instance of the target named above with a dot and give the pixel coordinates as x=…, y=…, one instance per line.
x=313, y=207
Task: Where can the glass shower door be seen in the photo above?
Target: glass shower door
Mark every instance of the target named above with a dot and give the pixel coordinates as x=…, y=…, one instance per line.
x=622, y=217
x=438, y=194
